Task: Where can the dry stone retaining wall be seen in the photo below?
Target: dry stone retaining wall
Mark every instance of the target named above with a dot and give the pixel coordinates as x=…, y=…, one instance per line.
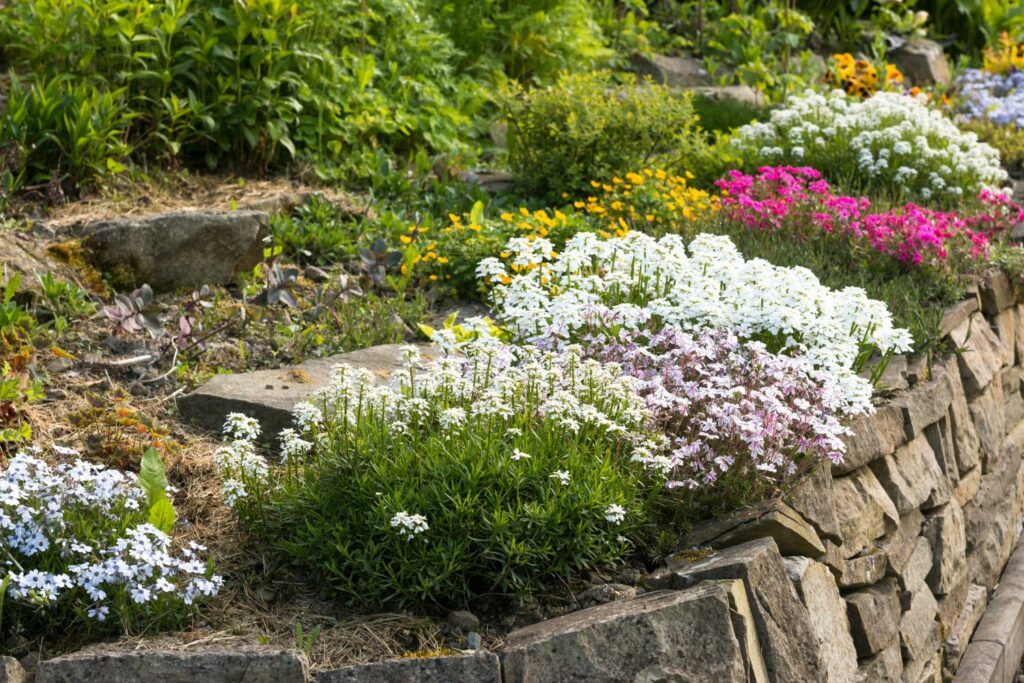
x=879, y=568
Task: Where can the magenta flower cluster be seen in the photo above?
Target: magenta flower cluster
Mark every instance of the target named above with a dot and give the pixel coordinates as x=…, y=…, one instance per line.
x=777, y=195
x=731, y=409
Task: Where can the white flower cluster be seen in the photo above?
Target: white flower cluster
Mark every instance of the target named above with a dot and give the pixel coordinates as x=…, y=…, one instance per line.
x=238, y=460
x=408, y=525
x=638, y=280
x=42, y=509
x=888, y=138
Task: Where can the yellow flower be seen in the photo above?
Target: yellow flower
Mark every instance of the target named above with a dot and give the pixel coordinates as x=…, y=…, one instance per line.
x=507, y=217
x=405, y=239
x=454, y=218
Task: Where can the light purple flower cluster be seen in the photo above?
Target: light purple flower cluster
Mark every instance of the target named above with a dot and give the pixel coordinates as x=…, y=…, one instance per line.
x=996, y=97
x=731, y=409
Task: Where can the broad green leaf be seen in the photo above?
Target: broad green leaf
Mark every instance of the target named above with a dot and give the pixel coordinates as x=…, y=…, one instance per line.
x=162, y=515
x=152, y=477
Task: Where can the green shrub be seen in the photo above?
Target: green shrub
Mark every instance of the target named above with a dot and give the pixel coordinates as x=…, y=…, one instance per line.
x=587, y=127
x=1008, y=139
x=467, y=478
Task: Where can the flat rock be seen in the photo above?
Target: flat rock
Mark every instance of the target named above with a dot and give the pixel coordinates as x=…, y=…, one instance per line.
x=956, y=314
x=23, y=255
x=887, y=665
x=898, y=546
x=990, y=424
x=874, y=615
x=996, y=292
x=175, y=250
x=270, y=395
x=675, y=72
x=864, y=570
x=982, y=353
x=912, y=478
x=864, y=510
x=874, y=436
x=214, y=665
x=812, y=499
x=926, y=403
x=820, y=595
x=477, y=667
x=914, y=573
x=792, y=534
x=680, y=635
x=947, y=536
x=919, y=631
x=922, y=61
x=959, y=635
x=783, y=624
x=11, y=671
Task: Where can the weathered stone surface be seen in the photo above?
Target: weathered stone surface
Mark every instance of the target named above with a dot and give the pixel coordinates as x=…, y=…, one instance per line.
x=990, y=522
x=677, y=72
x=686, y=634
x=912, y=478
x=894, y=375
x=1018, y=334
x=927, y=670
x=996, y=292
x=792, y=534
x=919, y=632
x=926, y=403
x=887, y=665
x=922, y=61
x=270, y=395
x=479, y=666
x=833, y=559
x=783, y=624
x=1013, y=400
x=864, y=510
x=864, y=570
x=945, y=532
x=915, y=571
x=982, y=353
x=874, y=436
x=984, y=663
x=23, y=255
x=951, y=604
x=940, y=439
x=1005, y=327
x=959, y=635
x=743, y=94
x=464, y=620
x=968, y=486
x=831, y=626
x=11, y=671
x=874, y=617
x=990, y=424
x=899, y=545
x=176, y=250
x=606, y=592
x=954, y=315
x=813, y=500
x=965, y=437
x=222, y=665
x=1003, y=620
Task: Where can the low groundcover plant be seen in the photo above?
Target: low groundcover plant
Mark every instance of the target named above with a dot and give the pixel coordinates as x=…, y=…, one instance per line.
x=495, y=472
x=77, y=551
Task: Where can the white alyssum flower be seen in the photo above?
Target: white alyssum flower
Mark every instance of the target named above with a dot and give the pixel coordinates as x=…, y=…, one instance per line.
x=518, y=455
x=561, y=475
x=615, y=513
x=408, y=525
x=242, y=427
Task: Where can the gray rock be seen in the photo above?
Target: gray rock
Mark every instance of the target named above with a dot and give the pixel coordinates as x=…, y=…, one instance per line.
x=270, y=395
x=951, y=604
x=675, y=72
x=945, y=532
x=864, y=510
x=214, y=665
x=924, y=670
x=11, y=671
x=477, y=667
x=874, y=436
x=982, y=353
x=831, y=626
x=316, y=274
x=922, y=61
x=899, y=545
x=812, y=498
x=783, y=624
x=463, y=620
x=894, y=375
x=990, y=424
x=688, y=635
x=912, y=478
x=915, y=571
x=865, y=570
x=959, y=635
x=940, y=439
x=1013, y=400
x=927, y=402
x=743, y=94
x=887, y=665
x=874, y=615
x=1005, y=327
x=968, y=487
x=607, y=592
x=175, y=250
x=919, y=631
x=996, y=292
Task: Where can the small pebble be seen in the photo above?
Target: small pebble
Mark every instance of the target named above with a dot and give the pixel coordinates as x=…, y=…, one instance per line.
x=464, y=620
x=316, y=274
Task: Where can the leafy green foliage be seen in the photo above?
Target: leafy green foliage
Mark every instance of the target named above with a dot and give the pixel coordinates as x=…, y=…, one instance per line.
x=586, y=127
x=16, y=391
x=153, y=480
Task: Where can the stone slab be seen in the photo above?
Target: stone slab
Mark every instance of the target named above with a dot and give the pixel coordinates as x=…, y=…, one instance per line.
x=478, y=667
